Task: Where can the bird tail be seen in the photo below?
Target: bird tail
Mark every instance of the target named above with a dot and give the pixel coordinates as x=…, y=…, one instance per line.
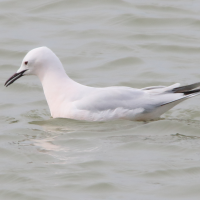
x=188, y=91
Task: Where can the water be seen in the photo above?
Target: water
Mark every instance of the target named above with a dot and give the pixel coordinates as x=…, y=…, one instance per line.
x=100, y=43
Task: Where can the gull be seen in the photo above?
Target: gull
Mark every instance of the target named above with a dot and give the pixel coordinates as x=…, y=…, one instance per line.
x=69, y=99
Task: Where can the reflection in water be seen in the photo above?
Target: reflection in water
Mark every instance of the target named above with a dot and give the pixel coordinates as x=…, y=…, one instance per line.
x=47, y=144
x=77, y=133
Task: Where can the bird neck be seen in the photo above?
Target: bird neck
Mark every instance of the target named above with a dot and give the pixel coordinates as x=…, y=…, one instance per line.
x=57, y=87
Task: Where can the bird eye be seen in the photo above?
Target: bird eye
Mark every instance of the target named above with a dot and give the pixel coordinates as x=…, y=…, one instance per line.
x=26, y=62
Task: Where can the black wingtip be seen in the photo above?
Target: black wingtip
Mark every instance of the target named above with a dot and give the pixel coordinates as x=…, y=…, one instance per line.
x=191, y=92
x=187, y=88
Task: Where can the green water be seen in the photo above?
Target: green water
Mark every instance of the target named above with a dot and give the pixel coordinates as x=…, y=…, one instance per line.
x=100, y=43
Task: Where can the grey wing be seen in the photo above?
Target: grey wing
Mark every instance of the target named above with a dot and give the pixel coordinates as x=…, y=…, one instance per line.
x=111, y=98
x=146, y=99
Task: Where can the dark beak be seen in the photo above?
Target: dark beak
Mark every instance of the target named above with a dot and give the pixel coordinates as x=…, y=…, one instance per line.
x=14, y=77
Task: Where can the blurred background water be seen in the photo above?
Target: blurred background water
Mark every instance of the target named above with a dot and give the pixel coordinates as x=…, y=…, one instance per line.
x=135, y=43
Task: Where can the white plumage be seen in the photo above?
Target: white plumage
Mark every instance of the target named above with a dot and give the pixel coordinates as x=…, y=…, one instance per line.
x=69, y=99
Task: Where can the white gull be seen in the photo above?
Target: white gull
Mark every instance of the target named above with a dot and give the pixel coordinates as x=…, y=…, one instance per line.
x=69, y=99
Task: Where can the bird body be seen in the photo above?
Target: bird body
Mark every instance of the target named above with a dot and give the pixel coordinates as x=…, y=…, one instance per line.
x=69, y=99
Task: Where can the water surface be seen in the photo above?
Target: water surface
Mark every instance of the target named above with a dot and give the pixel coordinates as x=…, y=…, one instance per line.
x=100, y=43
